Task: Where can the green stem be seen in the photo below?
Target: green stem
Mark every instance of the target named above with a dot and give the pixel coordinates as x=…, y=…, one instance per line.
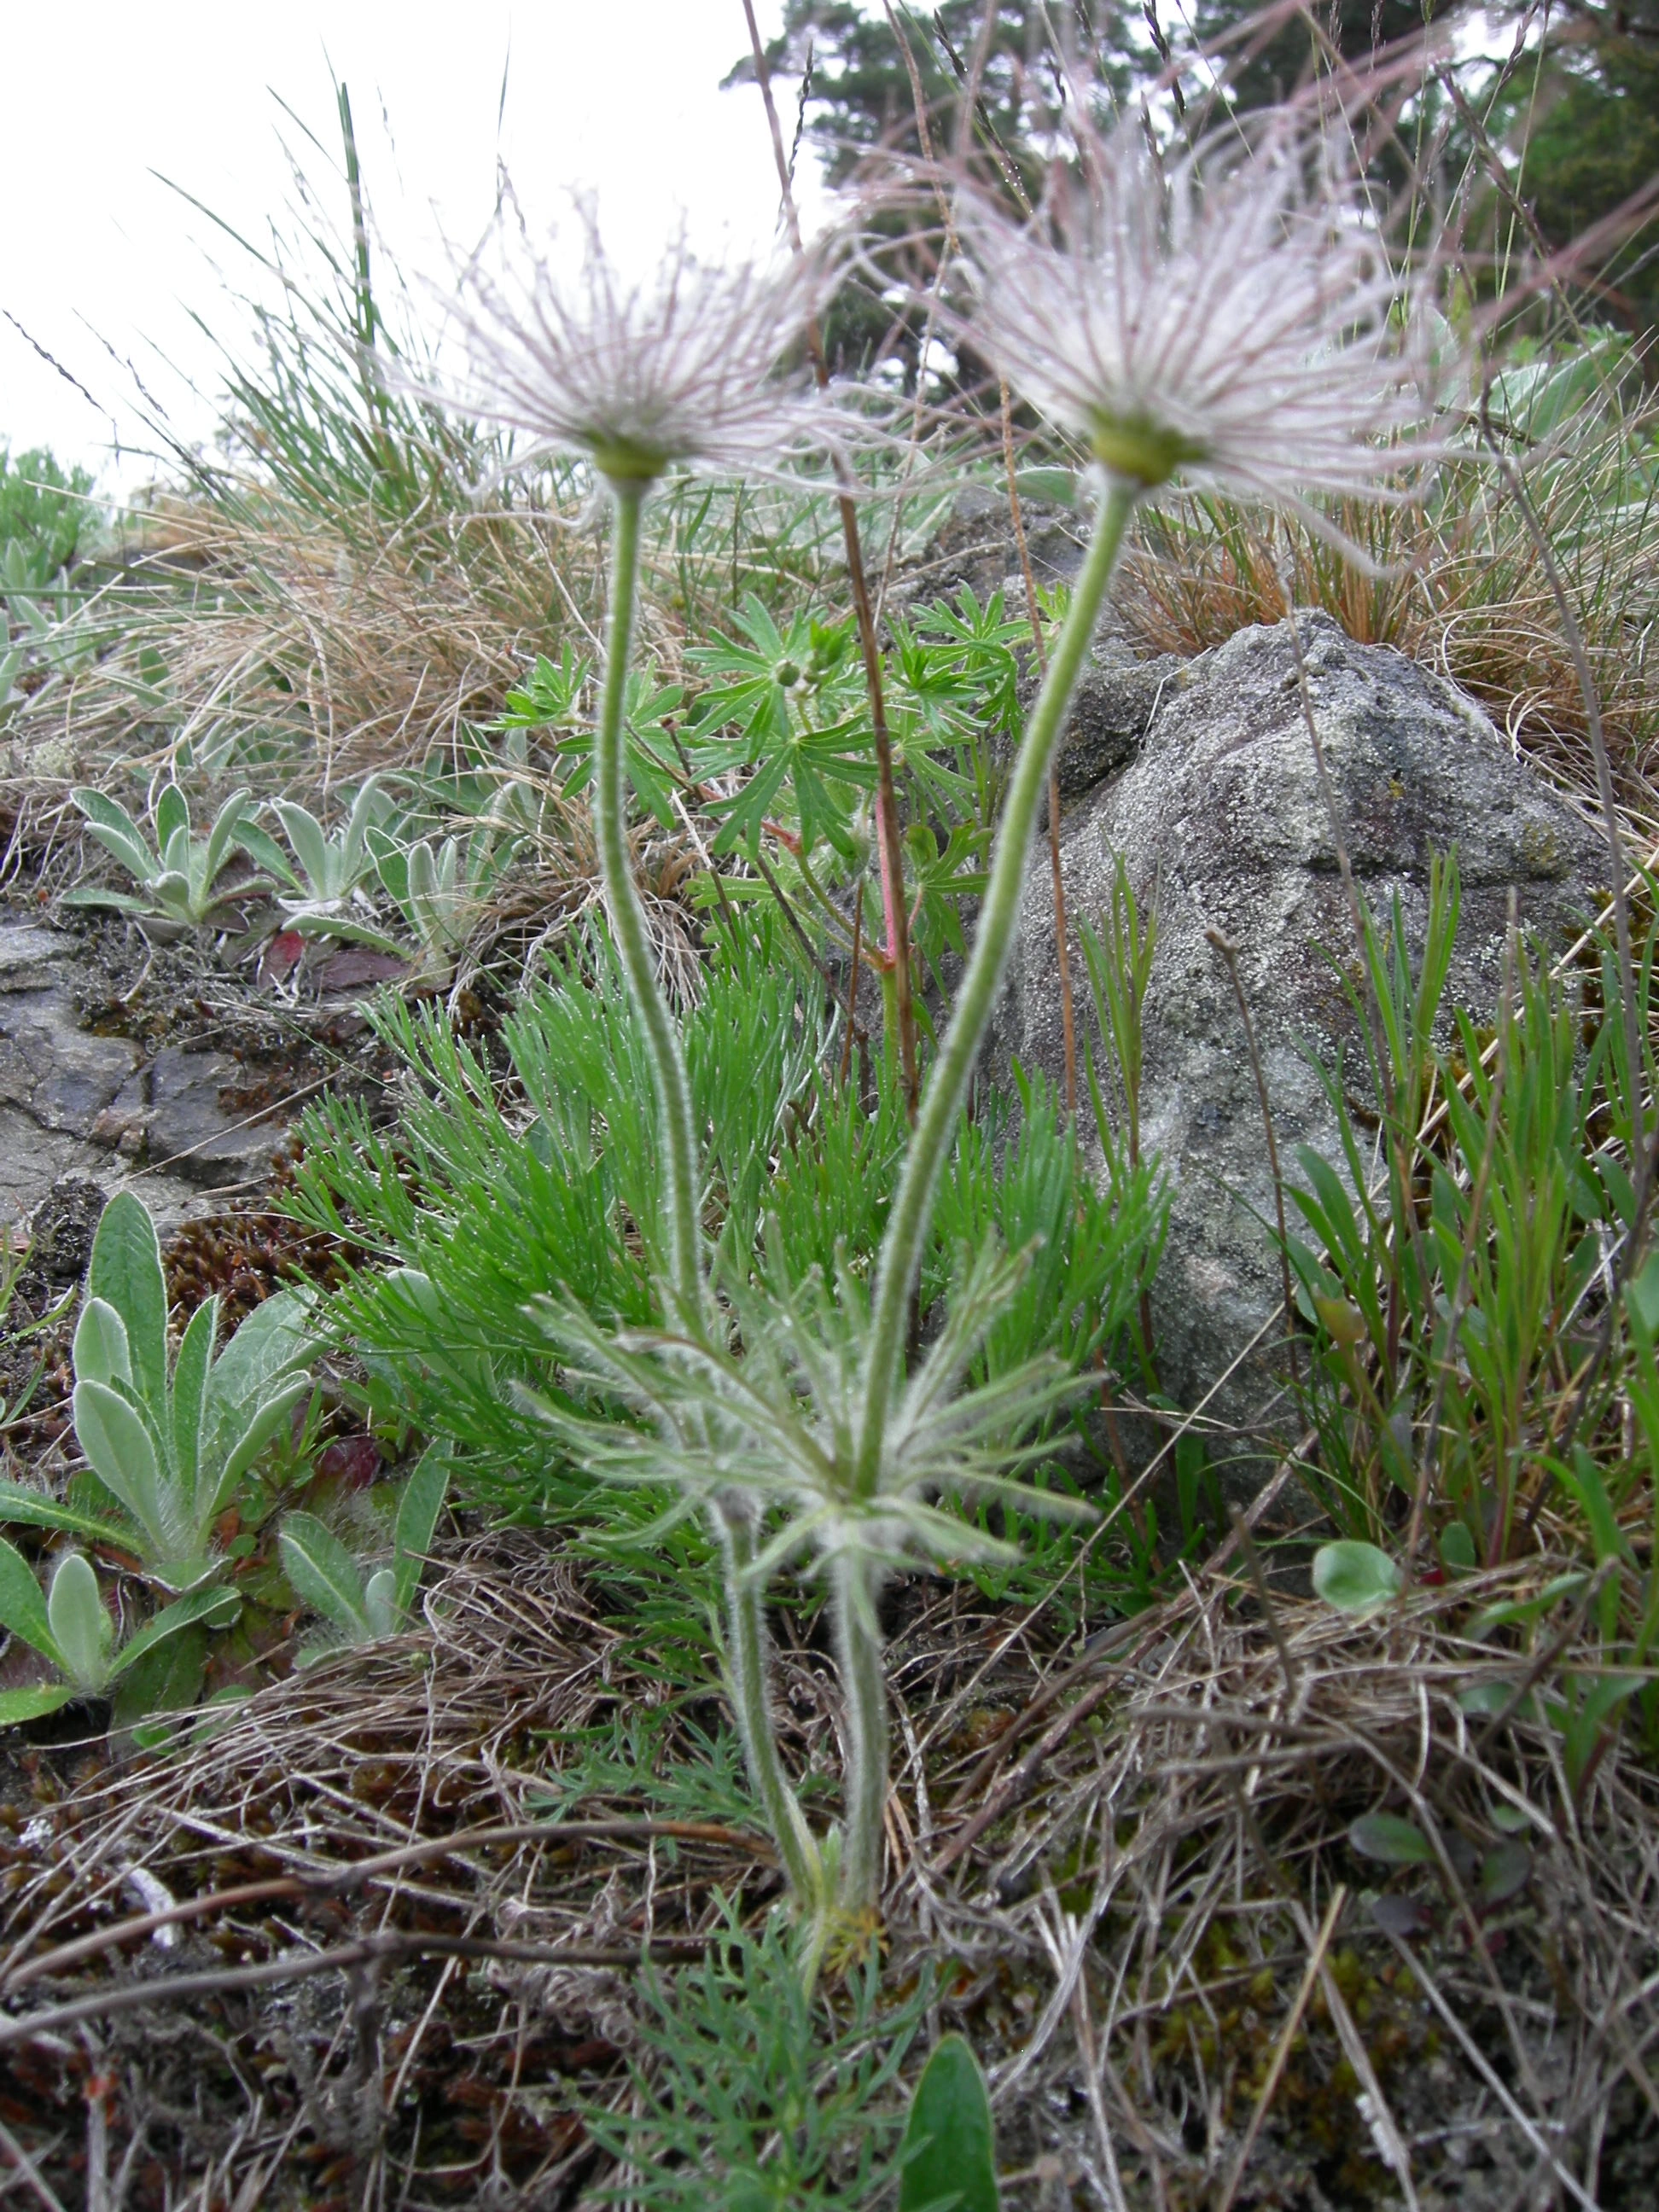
x=628, y=921
x=858, y=1654
x=748, y=1657
x=900, y=1262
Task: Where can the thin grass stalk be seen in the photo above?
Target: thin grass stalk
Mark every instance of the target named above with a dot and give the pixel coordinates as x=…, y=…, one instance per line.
x=1471, y=1236
x=889, y=852
x=628, y=921
x=900, y=1260
x=1642, y=1158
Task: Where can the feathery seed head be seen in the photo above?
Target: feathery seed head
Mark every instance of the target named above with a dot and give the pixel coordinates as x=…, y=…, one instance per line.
x=1226, y=319
x=681, y=367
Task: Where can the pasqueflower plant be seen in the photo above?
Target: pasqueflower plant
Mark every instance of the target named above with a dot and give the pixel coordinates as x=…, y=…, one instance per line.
x=1232, y=324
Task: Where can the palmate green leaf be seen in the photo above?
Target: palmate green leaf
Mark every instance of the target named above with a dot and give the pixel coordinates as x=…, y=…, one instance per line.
x=823, y=770
x=649, y=751
x=551, y=696
x=745, y=689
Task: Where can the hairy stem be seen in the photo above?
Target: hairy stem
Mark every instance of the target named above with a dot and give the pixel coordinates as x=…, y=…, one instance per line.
x=748, y=1658
x=627, y=922
x=900, y=1260
x=858, y=1652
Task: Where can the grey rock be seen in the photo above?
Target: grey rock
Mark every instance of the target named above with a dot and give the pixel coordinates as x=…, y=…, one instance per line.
x=1110, y=712
x=57, y=1074
x=976, y=546
x=77, y=1105
x=1218, y=810
x=189, y=1112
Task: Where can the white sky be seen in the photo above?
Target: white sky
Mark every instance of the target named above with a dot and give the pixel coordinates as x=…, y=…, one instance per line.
x=618, y=96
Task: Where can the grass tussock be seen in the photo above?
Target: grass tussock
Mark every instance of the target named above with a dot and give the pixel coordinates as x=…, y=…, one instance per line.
x=1457, y=579
x=1301, y=1893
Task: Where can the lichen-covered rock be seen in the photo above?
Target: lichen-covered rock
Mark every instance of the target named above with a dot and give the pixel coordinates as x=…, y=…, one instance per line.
x=1219, y=814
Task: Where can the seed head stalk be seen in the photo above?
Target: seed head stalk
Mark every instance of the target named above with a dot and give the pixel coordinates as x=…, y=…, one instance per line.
x=749, y=1662
x=628, y=921
x=864, y=1683
x=900, y=1260
x=749, y=1654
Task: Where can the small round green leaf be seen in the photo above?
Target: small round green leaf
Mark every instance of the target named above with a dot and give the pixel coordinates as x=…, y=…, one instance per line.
x=1504, y=1872
x=1385, y=1836
x=1457, y=1547
x=1355, y=1578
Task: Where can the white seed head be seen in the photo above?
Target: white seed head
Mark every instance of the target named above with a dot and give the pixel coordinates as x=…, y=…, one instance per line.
x=682, y=367
x=1227, y=318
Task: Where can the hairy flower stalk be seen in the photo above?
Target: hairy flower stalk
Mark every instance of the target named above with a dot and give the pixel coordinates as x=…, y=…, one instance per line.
x=748, y=1646
x=639, y=380
x=1227, y=324
x=681, y=1172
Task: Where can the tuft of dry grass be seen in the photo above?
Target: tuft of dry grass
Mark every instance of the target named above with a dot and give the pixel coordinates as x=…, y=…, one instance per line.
x=1189, y=1987
x=1458, y=584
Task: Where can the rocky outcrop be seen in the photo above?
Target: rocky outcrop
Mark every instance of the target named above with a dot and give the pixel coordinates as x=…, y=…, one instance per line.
x=101, y=1108
x=1216, y=806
